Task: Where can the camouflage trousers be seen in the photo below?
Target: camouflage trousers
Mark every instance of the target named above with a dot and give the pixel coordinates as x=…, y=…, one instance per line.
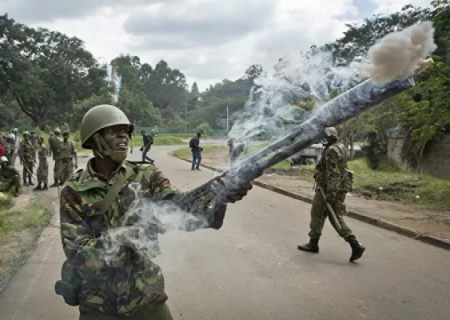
x=66, y=169
x=57, y=169
x=27, y=163
x=8, y=184
x=161, y=312
x=42, y=172
x=319, y=214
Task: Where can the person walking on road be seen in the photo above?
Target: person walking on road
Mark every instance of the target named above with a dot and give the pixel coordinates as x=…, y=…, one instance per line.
x=26, y=153
x=333, y=181
x=55, y=144
x=67, y=154
x=9, y=177
x=148, y=141
x=99, y=199
x=42, y=171
x=196, y=150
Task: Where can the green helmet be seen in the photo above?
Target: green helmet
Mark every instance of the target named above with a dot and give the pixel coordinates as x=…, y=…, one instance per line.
x=26, y=133
x=332, y=132
x=57, y=130
x=100, y=117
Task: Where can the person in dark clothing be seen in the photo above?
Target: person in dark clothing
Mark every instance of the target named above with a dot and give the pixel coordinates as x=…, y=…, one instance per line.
x=194, y=144
x=148, y=141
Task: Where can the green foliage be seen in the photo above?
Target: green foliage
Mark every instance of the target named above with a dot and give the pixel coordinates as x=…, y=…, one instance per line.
x=81, y=107
x=76, y=137
x=167, y=141
x=44, y=71
x=176, y=124
x=204, y=128
x=5, y=201
x=65, y=127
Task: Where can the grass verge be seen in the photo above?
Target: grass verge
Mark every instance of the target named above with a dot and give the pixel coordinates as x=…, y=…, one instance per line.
x=398, y=186
x=19, y=231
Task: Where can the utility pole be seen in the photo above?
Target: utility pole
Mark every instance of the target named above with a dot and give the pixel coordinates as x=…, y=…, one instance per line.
x=227, y=120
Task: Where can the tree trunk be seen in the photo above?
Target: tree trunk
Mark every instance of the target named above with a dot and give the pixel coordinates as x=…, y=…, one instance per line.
x=352, y=143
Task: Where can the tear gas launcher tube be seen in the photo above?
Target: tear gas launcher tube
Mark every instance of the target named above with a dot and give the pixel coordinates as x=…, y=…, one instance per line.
x=342, y=108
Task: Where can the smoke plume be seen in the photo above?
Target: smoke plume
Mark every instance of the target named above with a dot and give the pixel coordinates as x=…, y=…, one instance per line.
x=399, y=54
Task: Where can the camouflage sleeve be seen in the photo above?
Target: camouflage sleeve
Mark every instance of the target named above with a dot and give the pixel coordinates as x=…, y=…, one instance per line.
x=208, y=212
x=80, y=242
x=332, y=160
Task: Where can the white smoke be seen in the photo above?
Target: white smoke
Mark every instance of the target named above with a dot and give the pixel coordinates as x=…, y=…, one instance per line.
x=272, y=107
x=399, y=54
x=311, y=78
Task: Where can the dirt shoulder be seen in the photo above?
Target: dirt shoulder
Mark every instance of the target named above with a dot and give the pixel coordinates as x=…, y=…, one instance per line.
x=415, y=217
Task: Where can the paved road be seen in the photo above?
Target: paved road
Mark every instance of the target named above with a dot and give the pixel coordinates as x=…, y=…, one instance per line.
x=251, y=269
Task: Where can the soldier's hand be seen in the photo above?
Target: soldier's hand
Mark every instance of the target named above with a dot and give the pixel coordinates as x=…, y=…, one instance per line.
x=230, y=191
x=331, y=197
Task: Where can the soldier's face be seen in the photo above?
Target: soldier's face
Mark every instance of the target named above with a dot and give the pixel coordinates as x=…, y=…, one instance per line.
x=117, y=137
x=66, y=137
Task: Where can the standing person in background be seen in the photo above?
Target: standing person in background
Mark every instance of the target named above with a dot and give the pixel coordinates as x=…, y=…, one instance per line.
x=42, y=171
x=67, y=154
x=2, y=146
x=26, y=153
x=16, y=146
x=9, y=177
x=55, y=143
x=194, y=144
x=148, y=141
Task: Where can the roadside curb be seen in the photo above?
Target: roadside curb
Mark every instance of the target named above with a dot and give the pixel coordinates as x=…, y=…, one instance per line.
x=350, y=213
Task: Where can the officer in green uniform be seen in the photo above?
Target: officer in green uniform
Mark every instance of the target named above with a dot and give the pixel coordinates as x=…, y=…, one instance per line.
x=333, y=180
x=55, y=142
x=26, y=153
x=9, y=177
x=42, y=171
x=98, y=200
x=67, y=154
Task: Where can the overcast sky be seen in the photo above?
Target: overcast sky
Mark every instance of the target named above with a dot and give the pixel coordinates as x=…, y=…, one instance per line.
x=208, y=40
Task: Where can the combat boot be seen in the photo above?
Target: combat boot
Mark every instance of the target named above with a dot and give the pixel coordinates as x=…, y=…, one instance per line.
x=312, y=246
x=16, y=194
x=25, y=182
x=45, y=187
x=55, y=184
x=30, y=182
x=38, y=187
x=357, y=248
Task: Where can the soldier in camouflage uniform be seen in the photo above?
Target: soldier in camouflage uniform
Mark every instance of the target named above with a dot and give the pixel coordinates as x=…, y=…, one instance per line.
x=9, y=177
x=26, y=153
x=42, y=171
x=130, y=285
x=67, y=153
x=55, y=142
x=333, y=177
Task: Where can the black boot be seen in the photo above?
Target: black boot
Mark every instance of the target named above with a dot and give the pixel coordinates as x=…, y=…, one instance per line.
x=357, y=248
x=45, y=187
x=38, y=187
x=16, y=194
x=25, y=182
x=30, y=182
x=312, y=246
x=55, y=184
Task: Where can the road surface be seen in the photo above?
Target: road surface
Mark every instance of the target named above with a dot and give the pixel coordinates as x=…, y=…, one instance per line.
x=251, y=268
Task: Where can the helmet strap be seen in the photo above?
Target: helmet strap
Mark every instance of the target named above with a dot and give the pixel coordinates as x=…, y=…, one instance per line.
x=105, y=150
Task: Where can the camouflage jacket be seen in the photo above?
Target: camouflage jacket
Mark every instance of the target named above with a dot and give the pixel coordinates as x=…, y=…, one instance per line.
x=54, y=143
x=8, y=173
x=66, y=150
x=9, y=150
x=42, y=153
x=331, y=168
x=26, y=150
x=130, y=279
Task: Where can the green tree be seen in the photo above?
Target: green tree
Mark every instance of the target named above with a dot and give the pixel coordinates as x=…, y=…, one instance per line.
x=45, y=71
x=204, y=128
